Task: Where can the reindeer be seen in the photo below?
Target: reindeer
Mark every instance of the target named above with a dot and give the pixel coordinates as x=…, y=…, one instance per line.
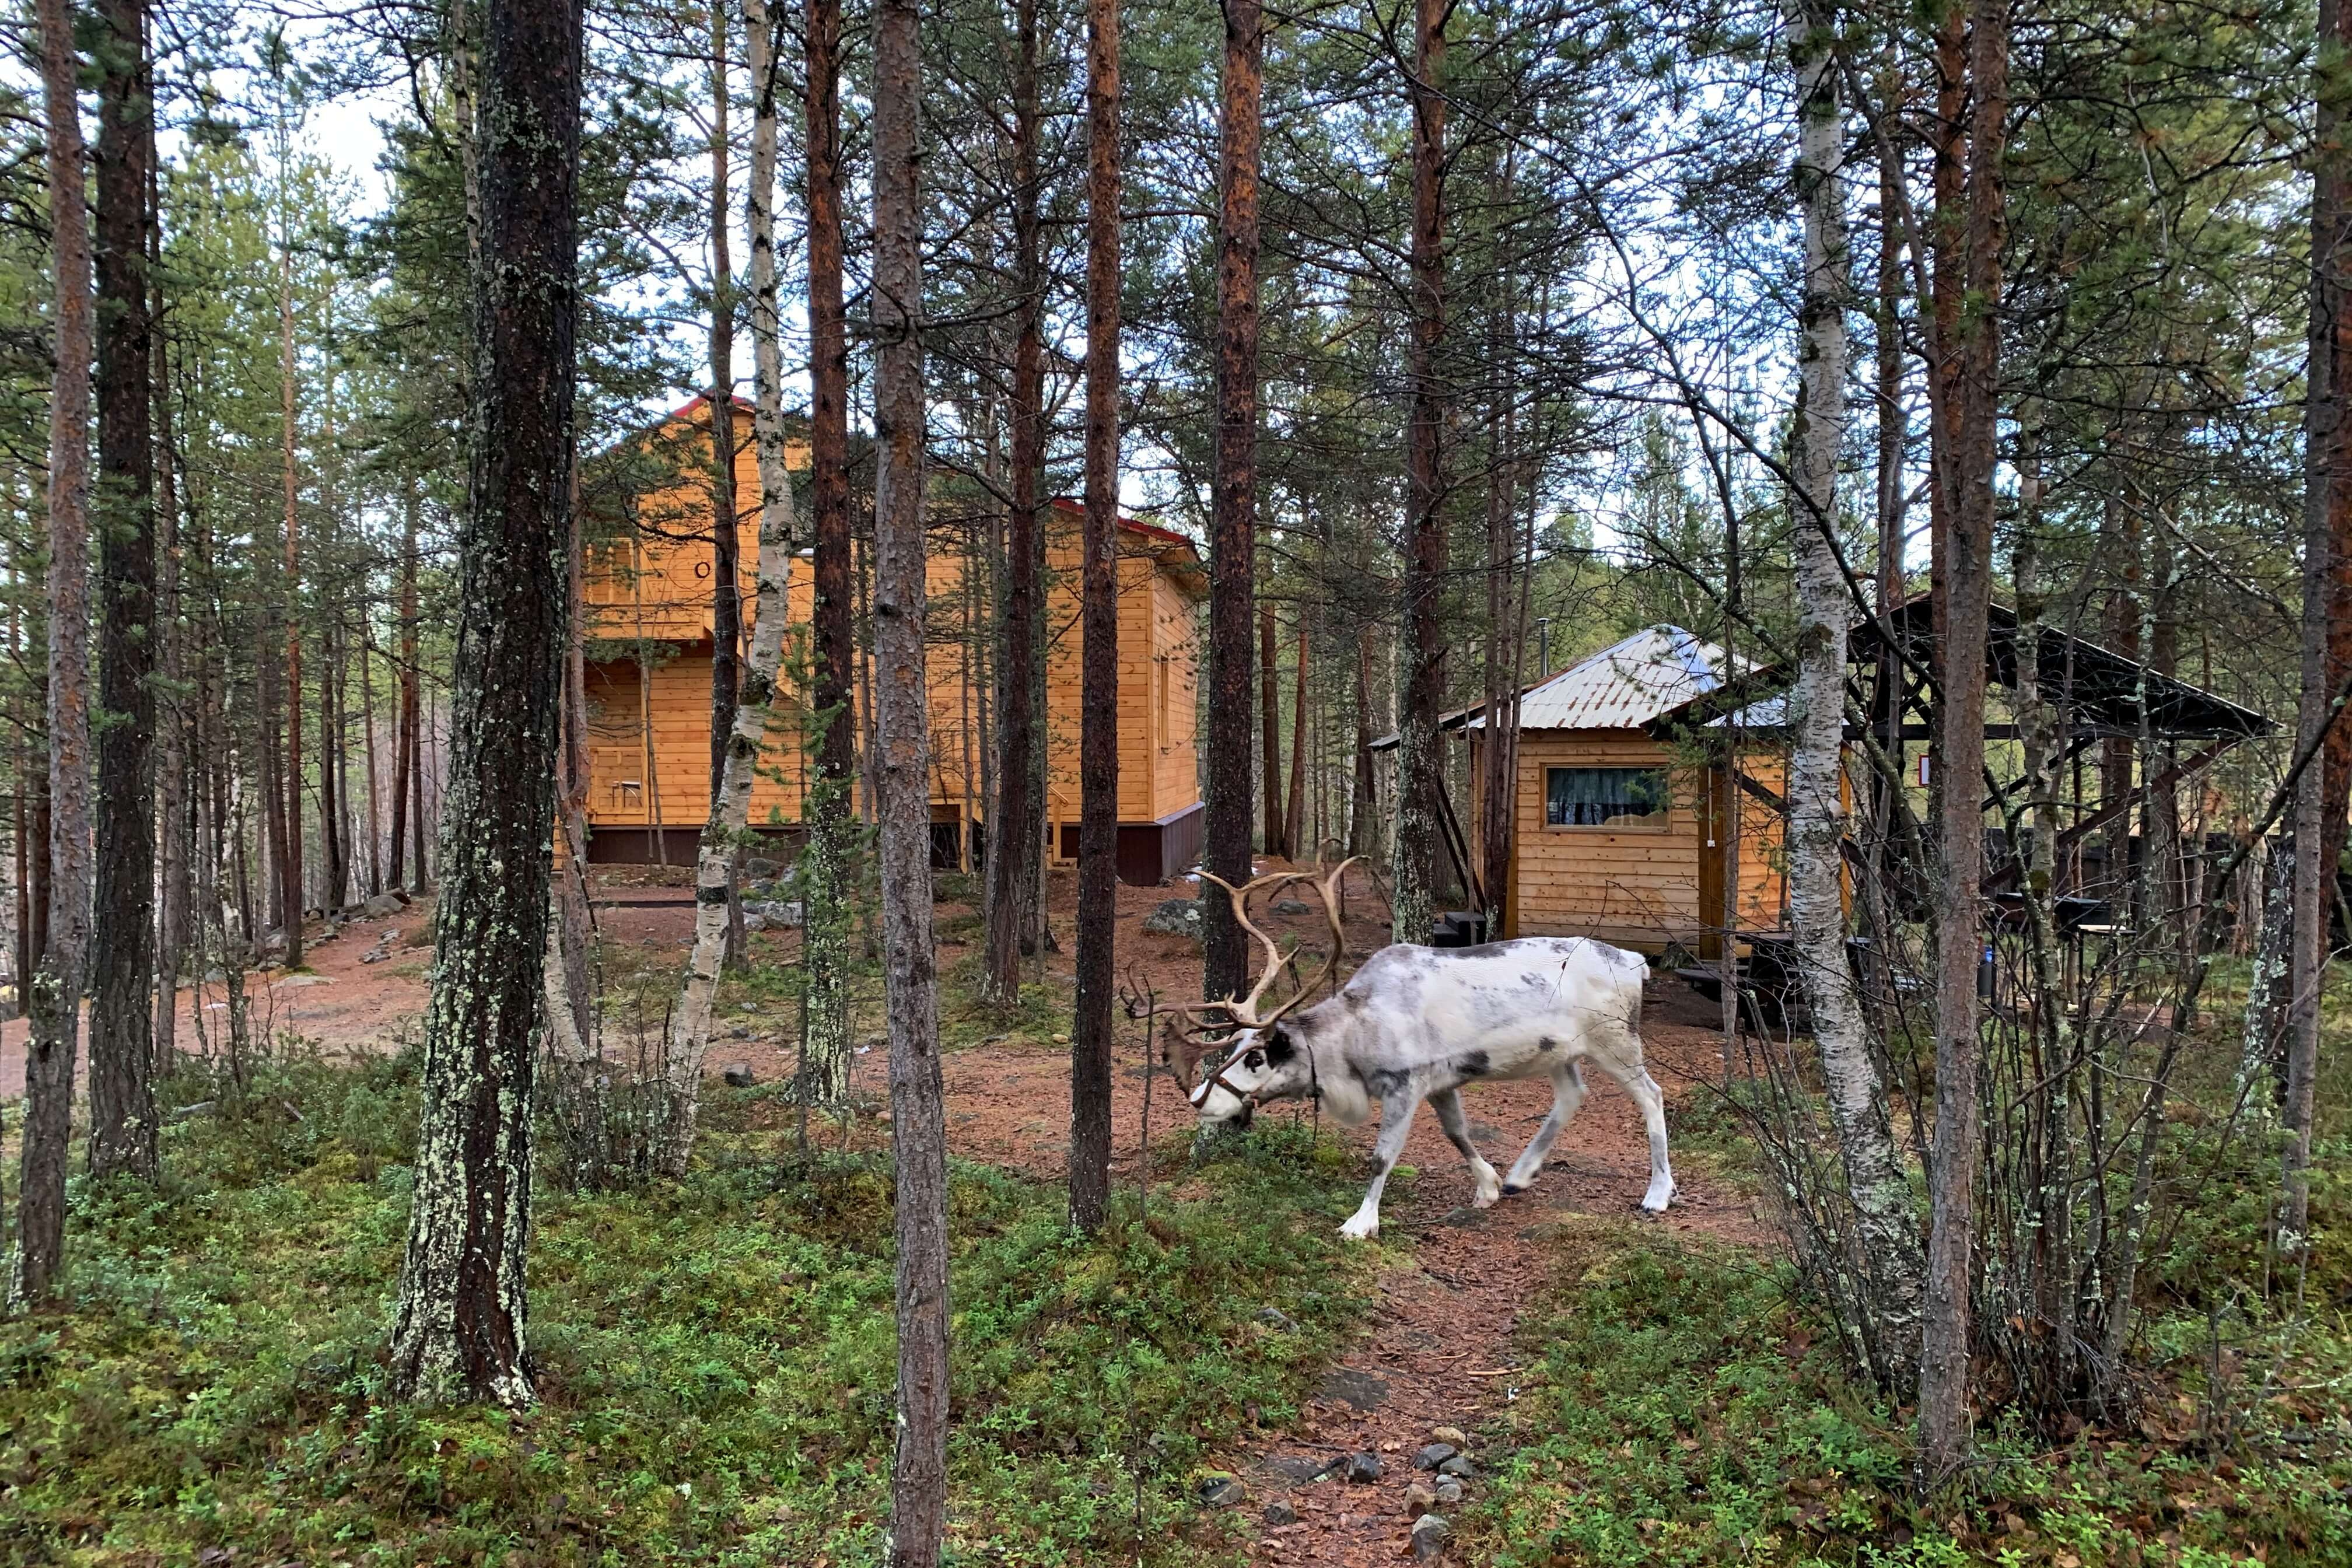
x=1418, y=1023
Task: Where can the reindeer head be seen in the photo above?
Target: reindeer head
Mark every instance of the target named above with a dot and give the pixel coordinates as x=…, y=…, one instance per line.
x=1258, y=1060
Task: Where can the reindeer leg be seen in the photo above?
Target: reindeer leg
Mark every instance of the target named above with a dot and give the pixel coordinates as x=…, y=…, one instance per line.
x=1396, y=1123
x=1447, y=1103
x=1566, y=1100
x=1644, y=1090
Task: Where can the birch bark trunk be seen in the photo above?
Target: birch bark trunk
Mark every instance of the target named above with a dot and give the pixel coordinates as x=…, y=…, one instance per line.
x=56, y=1013
x=1888, y=1229
x=724, y=834
x=902, y=777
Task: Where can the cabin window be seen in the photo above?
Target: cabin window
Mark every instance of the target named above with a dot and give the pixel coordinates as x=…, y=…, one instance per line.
x=1605, y=797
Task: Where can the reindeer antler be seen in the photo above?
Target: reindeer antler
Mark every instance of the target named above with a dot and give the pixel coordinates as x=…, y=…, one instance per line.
x=1219, y=1020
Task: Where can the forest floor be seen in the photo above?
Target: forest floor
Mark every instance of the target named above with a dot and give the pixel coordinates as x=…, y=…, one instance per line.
x=1629, y=1388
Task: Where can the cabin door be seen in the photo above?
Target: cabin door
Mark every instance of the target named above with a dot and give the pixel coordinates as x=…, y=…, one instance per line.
x=1715, y=828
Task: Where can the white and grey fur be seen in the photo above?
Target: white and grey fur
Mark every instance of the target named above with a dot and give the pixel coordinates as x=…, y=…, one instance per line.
x=1418, y=1023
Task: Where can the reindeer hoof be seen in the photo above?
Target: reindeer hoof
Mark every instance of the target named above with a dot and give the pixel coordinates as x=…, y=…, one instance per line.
x=1513, y=1189
x=1360, y=1230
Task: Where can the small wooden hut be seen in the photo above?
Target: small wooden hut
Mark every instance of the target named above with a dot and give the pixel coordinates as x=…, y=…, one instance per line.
x=647, y=599
x=1624, y=833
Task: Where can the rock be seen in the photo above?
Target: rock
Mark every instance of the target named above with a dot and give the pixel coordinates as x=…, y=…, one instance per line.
x=1452, y=1434
x=755, y=923
x=760, y=866
x=739, y=1075
x=1176, y=917
x=1301, y=1467
x=383, y=906
x=1277, y=1318
x=1449, y=1491
x=291, y=981
x=785, y=914
x=1289, y=907
x=1360, y=1469
x=1221, y=1489
x=1280, y=1512
x=1420, y=1498
x=1361, y=1390
x=1456, y=1466
x=740, y=1032
x=1429, y=1534
x=1434, y=1455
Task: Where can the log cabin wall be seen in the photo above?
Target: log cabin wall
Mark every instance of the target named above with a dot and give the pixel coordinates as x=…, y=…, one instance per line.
x=1637, y=886
x=647, y=601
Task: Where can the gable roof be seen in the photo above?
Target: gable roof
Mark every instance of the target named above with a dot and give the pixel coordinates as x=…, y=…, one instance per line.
x=1625, y=686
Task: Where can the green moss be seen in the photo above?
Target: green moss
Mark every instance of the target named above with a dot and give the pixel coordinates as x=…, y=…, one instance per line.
x=714, y=1358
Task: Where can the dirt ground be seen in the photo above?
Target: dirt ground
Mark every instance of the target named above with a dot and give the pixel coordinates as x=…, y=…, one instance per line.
x=1440, y=1349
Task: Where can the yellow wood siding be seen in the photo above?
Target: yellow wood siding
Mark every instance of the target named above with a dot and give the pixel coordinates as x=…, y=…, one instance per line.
x=1638, y=887
x=646, y=598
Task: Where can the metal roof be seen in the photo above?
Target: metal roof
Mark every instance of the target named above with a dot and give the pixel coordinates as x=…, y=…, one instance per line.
x=1625, y=685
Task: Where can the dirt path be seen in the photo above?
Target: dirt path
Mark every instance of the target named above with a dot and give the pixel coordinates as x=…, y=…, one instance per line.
x=1440, y=1349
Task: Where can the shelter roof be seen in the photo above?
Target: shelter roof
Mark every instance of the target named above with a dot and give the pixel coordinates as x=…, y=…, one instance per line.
x=2103, y=689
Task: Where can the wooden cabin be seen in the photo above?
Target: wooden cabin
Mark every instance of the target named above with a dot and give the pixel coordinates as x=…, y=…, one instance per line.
x=648, y=602
x=1622, y=831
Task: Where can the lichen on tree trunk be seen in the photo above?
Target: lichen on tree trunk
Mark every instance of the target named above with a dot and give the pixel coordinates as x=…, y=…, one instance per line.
x=459, y=1332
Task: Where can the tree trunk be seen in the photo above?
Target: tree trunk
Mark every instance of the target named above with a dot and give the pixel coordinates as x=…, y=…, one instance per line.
x=1090, y=1030
x=122, y=1137
x=1233, y=526
x=1959, y=755
x=825, y=868
x=174, y=802
x=1293, y=812
x=1270, y=709
x=725, y=831
x=56, y=1011
x=289, y=866
x=1018, y=828
x=374, y=831
x=726, y=517
x=1888, y=1230
x=461, y=1324
x=1363, y=805
x=723, y=834
x=580, y=1094
x=902, y=775
x=1420, y=760
x=406, y=779
x=2327, y=518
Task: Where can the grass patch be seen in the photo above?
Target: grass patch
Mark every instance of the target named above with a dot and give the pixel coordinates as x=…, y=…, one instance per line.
x=715, y=1357
x=1682, y=1412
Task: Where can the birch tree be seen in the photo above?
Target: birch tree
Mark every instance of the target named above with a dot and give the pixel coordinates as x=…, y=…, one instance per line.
x=723, y=834
x=1887, y=1231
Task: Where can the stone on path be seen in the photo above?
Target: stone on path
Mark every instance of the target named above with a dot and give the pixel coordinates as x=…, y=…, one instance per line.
x=1176, y=917
x=1280, y=1512
x=1434, y=1455
x=1420, y=1498
x=739, y=1075
x=1452, y=1434
x=1429, y=1534
x=1360, y=1469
